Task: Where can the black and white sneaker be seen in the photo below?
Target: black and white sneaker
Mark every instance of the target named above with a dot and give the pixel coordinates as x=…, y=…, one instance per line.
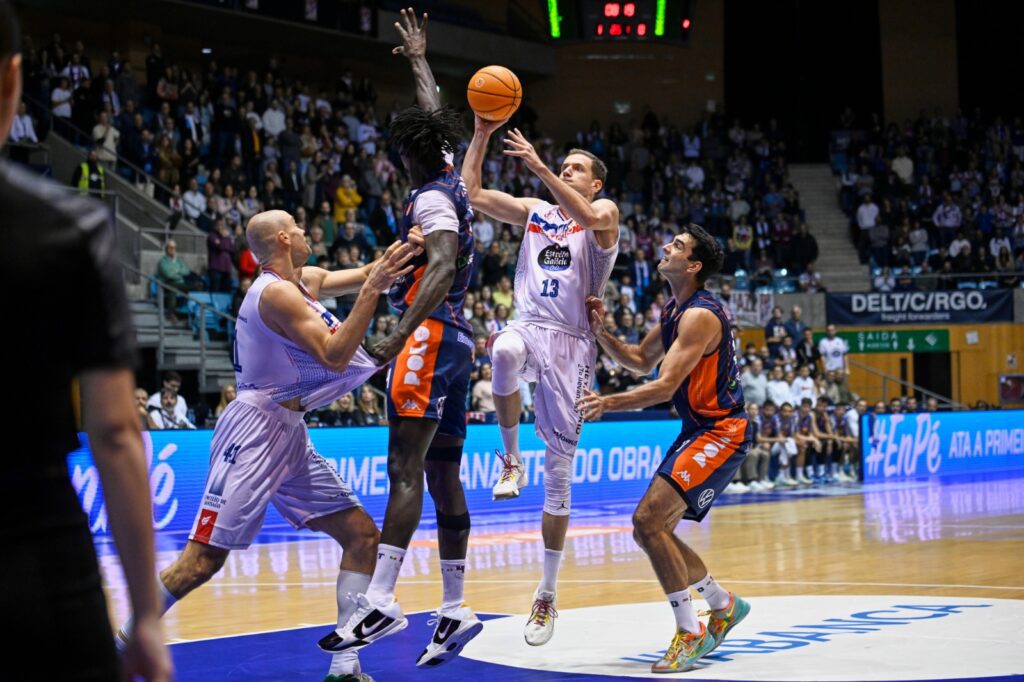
x=453, y=631
x=368, y=624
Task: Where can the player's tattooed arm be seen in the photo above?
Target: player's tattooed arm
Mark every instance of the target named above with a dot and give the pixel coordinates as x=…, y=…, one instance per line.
x=414, y=47
x=639, y=358
x=442, y=248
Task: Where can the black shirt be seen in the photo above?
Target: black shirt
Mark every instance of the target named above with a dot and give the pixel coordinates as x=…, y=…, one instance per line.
x=67, y=312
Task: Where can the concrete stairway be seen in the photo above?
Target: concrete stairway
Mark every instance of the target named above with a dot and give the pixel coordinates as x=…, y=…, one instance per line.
x=837, y=260
x=181, y=351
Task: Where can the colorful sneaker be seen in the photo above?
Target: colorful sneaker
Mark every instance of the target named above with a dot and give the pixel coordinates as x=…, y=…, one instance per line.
x=452, y=632
x=724, y=620
x=368, y=624
x=541, y=625
x=684, y=651
x=513, y=477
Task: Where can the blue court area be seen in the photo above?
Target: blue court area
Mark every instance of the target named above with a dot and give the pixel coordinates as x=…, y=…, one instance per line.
x=804, y=634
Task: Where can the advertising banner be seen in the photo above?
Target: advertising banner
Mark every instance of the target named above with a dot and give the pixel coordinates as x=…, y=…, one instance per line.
x=614, y=462
x=894, y=340
x=920, y=307
x=903, y=446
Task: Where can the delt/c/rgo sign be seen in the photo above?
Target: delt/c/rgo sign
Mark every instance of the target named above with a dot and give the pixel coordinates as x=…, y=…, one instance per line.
x=918, y=307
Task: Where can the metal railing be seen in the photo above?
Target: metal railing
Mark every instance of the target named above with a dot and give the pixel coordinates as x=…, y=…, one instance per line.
x=934, y=280
x=888, y=379
x=161, y=319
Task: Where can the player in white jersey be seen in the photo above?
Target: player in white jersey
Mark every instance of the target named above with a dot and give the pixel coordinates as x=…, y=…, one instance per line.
x=291, y=355
x=833, y=351
x=567, y=254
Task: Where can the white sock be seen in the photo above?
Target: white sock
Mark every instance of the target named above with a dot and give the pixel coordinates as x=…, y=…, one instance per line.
x=382, y=586
x=510, y=439
x=686, y=617
x=552, y=561
x=716, y=596
x=345, y=663
x=124, y=633
x=349, y=583
x=453, y=581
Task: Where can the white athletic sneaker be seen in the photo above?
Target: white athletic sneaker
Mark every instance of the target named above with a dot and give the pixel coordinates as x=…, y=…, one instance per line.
x=368, y=624
x=541, y=624
x=453, y=630
x=756, y=486
x=513, y=477
x=803, y=480
x=767, y=485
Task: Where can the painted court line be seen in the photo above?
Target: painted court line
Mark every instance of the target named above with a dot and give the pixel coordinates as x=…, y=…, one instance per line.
x=640, y=581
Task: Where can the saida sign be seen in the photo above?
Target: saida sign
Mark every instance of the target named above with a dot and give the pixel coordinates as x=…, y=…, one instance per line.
x=895, y=341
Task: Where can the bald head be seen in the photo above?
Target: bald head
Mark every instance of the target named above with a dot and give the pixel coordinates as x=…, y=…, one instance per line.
x=262, y=231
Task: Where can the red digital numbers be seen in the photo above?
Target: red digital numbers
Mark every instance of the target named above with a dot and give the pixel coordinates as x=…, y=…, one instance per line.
x=641, y=29
x=629, y=9
x=615, y=30
x=600, y=29
x=612, y=9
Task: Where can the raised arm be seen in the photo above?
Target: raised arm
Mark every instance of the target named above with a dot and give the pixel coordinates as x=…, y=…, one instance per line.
x=286, y=312
x=498, y=205
x=414, y=47
x=598, y=215
x=640, y=358
x=703, y=331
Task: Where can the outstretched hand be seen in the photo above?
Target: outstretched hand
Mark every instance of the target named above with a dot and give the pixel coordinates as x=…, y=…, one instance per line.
x=483, y=126
x=392, y=265
x=596, y=313
x=414, y=35
x=591, y=406
x=520, y=147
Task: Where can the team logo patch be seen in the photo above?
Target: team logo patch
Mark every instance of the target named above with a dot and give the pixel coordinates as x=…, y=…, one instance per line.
x=204, y=528
x=706, y=497
x=555, y=258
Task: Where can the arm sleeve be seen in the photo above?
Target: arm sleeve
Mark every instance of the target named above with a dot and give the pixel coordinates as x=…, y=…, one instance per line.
x=433, y=210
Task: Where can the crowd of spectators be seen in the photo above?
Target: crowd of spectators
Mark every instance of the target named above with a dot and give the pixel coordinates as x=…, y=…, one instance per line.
x=936, y=202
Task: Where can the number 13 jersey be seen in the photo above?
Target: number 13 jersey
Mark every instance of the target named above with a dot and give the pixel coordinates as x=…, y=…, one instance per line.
x=560, y=265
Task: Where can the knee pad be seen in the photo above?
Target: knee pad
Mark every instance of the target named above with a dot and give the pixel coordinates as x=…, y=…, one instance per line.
x=557, y=483
x=508, y=357
x=457, y=522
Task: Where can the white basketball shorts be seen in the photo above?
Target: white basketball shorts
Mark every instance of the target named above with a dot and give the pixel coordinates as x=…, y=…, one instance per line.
x=261, y=454
x=563, y=367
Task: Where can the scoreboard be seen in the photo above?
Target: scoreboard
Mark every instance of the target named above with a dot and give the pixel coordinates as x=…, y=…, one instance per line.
x=642, y=20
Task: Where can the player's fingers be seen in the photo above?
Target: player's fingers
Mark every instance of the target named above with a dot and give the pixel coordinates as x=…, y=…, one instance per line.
x=423, y=26
x=398, y=50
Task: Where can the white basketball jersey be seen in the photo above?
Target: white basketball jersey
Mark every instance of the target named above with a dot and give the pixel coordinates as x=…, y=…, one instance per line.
x=273, y=365
x=560, y=265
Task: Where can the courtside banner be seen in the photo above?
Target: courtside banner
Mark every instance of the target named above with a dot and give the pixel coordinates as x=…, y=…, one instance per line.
x=614, y=462
x=920, y=307
x=904, y=446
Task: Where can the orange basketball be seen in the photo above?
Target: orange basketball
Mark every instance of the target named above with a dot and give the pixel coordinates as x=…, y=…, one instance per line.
x=494, y=93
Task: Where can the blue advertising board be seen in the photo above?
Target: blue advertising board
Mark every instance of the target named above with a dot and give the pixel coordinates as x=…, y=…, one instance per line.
x=614, y=463
x=903, y=446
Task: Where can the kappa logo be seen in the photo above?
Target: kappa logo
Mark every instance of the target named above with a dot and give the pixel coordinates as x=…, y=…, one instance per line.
x=410, y=404
x=706, y=497
x=685, y=476
x=415, y=362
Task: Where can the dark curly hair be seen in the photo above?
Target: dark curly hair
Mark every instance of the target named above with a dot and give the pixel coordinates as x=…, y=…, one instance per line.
x=426, y=136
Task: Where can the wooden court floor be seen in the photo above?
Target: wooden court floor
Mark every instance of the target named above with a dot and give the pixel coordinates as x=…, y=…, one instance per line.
x=927, y=540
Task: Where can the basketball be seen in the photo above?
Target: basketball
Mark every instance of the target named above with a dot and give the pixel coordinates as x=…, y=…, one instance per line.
x=494, y=93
